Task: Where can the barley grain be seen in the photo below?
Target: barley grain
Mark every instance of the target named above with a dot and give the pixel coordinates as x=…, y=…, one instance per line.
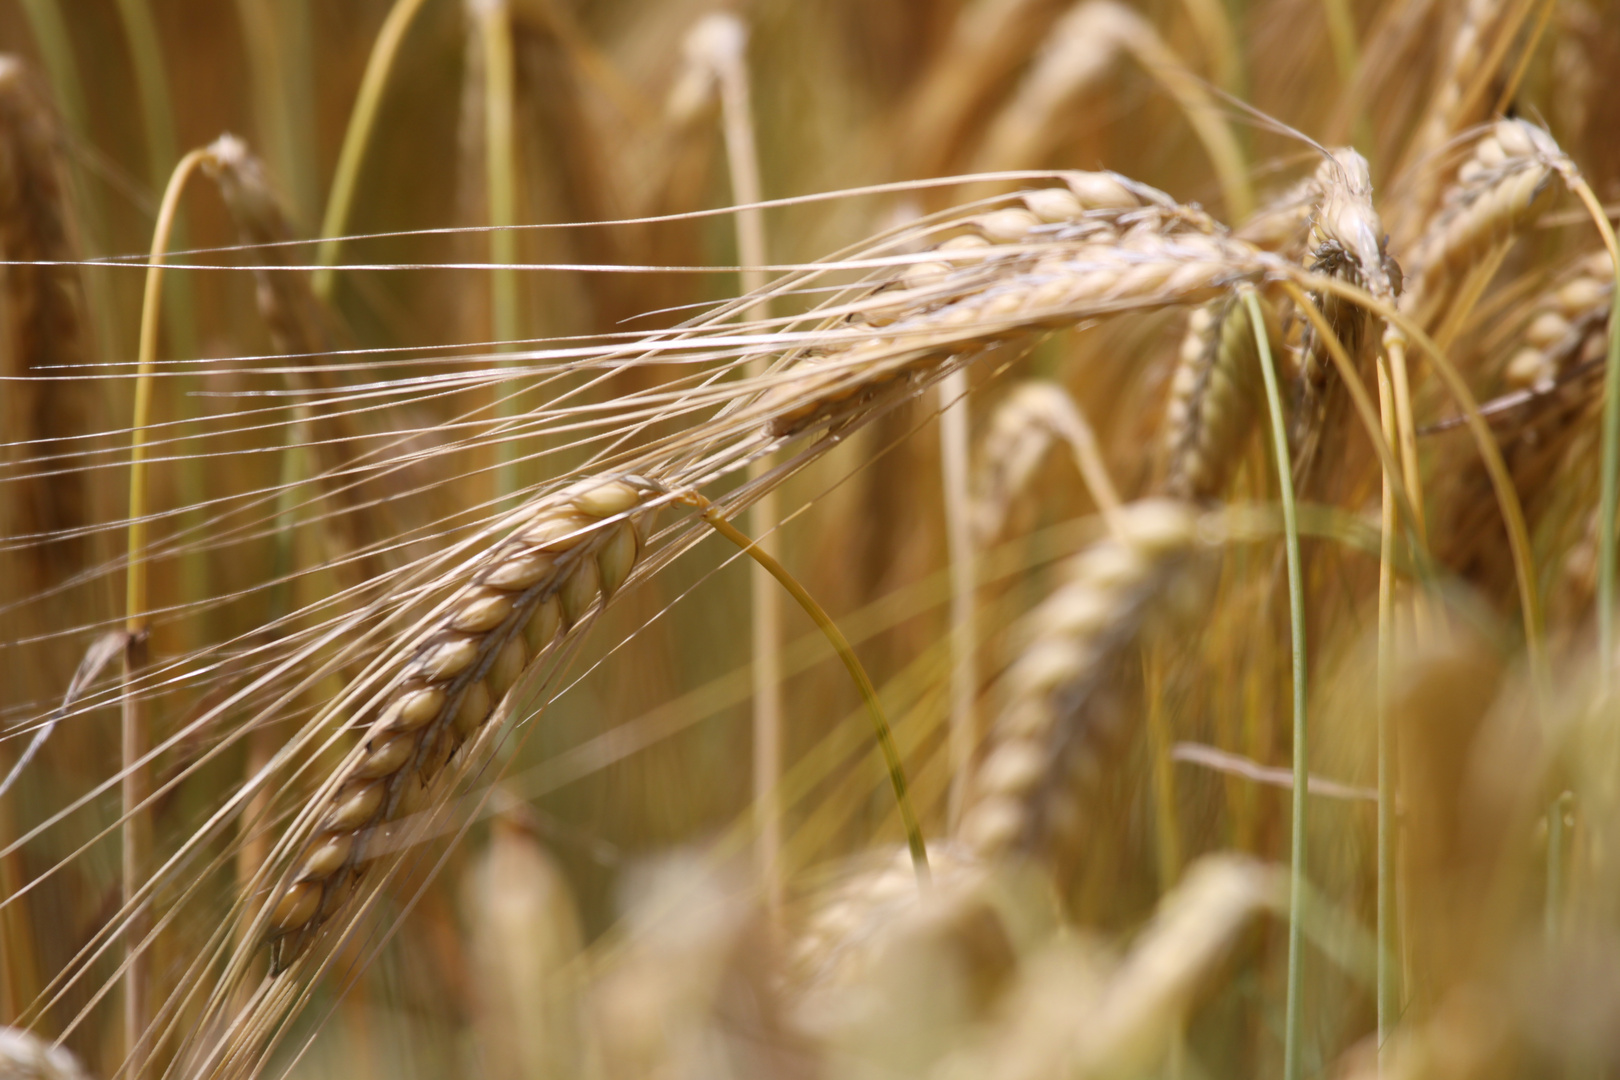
x=549, y=575
x=1064, y=699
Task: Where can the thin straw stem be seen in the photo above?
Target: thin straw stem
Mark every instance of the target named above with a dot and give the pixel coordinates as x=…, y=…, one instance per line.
x=953, y=459
x=1388, y=1005
x=724, y=39
x=1610, y=491
x=347, y=174
x=162, y=147
x=135, y=785
x=1296, y=620
x=494, y=19
x=852, y=663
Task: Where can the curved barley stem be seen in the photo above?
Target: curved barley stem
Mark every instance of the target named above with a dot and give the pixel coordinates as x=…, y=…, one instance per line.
x=136, y=782
x=959, y=547
x=1358, y=394
x=1387, y=997
x=718, y=44
x=1609, y=495
x=1296, y=621
x=347, y=174
x=494, y=30
x=846, y=653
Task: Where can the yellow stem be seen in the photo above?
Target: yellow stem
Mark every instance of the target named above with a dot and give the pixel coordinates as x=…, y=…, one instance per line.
x=1506, y=496
x=135, y=833
x=846, y=653
x=355, y=137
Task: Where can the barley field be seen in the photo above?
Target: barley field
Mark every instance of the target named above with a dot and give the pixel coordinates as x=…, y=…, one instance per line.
x=870, y=538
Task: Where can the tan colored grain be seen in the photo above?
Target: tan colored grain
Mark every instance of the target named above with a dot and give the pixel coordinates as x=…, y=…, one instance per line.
x=1213, y=400
x=569, y=556
x=1013, y=275
x=1064, y=700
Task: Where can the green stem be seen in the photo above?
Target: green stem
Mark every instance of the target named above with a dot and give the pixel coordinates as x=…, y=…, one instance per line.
x=500, y=171
x=1557, y=864
x=1296, y=619
x=1387, y=1000
x=1610, y=492
x=355, y=137
x=846, y=653
x=135, y=786
x=727, y=37
x=162, y=148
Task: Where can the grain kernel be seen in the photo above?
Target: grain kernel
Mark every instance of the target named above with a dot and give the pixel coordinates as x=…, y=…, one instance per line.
x=448, y=658
x=386, y=755
x=602, y=500
x=356, y=807
x=297, y=906
x=579, y=590
x=481, y=612
x=521, y=571
x=508, y=666
x=327, y=855
x=544, y=624
x=474, y=709
x=617, y=557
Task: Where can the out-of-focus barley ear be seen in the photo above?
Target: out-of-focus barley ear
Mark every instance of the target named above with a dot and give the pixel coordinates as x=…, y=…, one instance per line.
x=1076, y=1010
x=25, y=1056
x=525, y=945
x=1483, y=32
x=1022, y=427
x=918, y=964
x=1079, y=52
x=50, y=500
x=1214, y=399
x=1495, y=195
x=1065, y=700
x=302, y=328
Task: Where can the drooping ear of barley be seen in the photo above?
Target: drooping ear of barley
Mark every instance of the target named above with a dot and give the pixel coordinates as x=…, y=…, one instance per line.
x=302, y=329
x=1347, y=241
x=48, y=501
x=1497, y=192
x=518, y=601
x=1105, y=245
x=1033, y=416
